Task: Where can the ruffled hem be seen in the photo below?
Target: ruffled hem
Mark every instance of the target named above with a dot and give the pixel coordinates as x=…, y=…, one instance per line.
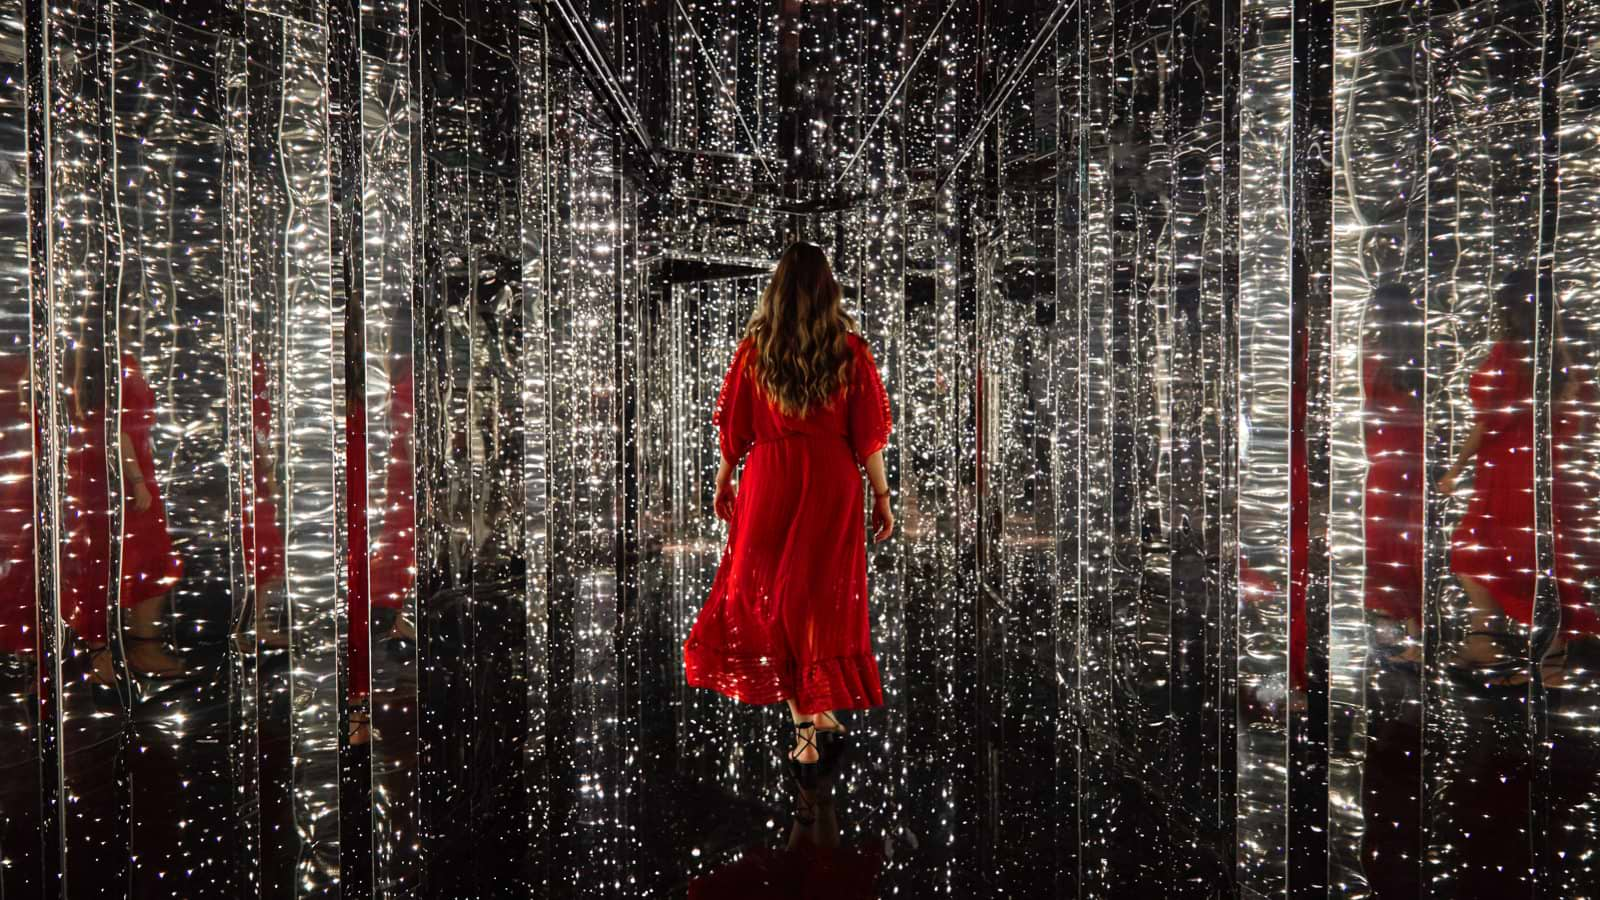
x=840, y=682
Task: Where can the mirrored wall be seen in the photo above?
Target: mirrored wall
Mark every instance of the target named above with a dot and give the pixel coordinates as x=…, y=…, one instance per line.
x=357, y=462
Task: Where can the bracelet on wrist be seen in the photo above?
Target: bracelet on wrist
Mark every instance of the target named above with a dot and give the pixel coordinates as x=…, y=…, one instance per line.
x=878, y=495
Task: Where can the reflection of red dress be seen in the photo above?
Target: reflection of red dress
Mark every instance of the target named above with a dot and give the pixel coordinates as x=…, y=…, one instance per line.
x=263, y=539
x=355, y=494
x=18, y=594
x=787, y=615
x=1393, y=434
x=1494, y=543
x=150, y=568
x=382, y=574
x=393, y=547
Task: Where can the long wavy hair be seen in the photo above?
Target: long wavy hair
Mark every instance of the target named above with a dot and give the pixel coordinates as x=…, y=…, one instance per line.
x=1394, y=337
x=801, y=355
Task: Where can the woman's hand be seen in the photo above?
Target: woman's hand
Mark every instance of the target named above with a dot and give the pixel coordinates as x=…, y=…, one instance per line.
x=139, y=494
x=882, y=519
x=726, y=494
x=1447, y=484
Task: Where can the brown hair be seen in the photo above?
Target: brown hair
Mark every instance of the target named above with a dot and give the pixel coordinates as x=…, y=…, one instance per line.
x=800, y=355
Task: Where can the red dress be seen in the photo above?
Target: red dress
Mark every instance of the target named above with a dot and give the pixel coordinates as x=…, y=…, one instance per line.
x=1393, y=435
x=1494, y=543
x=150, y=567
x=787, y=615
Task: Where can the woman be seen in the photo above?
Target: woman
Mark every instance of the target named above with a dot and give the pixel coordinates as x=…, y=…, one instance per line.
x=1493, y=552
x=787, y=615
x=150, y=566
x=1392, y=430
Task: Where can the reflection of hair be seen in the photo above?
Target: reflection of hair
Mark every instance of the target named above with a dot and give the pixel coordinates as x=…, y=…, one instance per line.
x=1517, y=302
x=798, y=333
x=1394, y=337
x=1522, y=299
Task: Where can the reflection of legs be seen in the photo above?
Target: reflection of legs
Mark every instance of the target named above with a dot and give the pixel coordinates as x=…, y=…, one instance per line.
x=1479, y=648
x=146, y=653
x=816, y=820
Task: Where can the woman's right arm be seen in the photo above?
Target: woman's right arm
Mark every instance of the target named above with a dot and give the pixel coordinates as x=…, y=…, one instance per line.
x=882, y=515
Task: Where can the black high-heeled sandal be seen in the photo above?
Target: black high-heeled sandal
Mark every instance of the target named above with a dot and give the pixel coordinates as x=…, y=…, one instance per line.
x=832, y=746
x=805, y=773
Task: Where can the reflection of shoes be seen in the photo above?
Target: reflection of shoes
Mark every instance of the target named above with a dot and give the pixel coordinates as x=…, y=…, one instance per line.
x=102, y=678
x=1494, y=671
x=361, y=730
x=148, y=656
x=805, y=806
x=402, y=631
x=1408, y=656
x=1552, y=673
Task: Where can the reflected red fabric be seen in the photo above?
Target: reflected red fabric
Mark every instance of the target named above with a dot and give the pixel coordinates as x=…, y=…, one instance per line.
x=263, y=539
x=1494, y=542
x=355, y=506
x=1393, y=434
x=393, y=548
x=150, y=567
x=18, y=593
x=787, y=615
x=381, y=571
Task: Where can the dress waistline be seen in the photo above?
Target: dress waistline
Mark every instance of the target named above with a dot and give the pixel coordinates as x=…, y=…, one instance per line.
x=799, y=434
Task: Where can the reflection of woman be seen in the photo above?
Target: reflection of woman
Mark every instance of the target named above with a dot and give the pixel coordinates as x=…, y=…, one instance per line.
x=150, y=568
x=1391, y=378
x=381, y=572
x=263, y=539
x=787, y=615
x=1493, y=551
x=812, y=864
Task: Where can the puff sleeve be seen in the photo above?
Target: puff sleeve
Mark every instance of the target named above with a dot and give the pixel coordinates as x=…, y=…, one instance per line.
x=869, y=418
x=734, y=416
